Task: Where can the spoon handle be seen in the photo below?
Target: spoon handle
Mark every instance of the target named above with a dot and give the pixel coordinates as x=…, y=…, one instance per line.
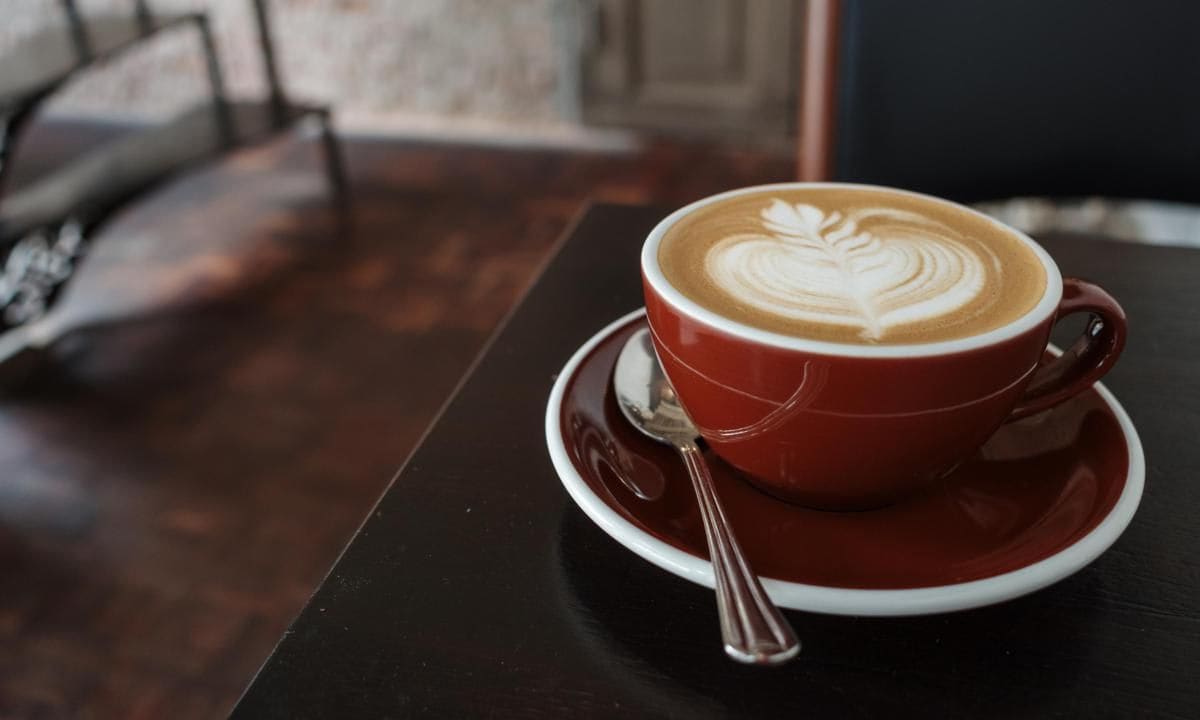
x=752, y=627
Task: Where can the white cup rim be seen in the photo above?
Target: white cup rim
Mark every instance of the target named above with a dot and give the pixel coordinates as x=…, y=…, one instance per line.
x=1039, y=313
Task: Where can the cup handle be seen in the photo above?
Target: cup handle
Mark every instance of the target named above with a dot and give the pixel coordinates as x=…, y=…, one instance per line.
x=1092, y=355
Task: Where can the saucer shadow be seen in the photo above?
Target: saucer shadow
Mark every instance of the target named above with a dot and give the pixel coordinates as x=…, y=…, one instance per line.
x=658, y=635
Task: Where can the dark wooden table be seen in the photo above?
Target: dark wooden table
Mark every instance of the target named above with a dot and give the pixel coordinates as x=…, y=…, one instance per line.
x=476, y=588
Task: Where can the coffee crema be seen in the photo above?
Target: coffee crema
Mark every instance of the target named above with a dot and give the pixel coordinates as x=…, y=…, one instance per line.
x=852, y=265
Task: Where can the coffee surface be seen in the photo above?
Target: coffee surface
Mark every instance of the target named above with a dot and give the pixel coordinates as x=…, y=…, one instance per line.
x=852, y=265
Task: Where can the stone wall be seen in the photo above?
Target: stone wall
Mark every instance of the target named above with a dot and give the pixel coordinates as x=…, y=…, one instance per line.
x=377, y=61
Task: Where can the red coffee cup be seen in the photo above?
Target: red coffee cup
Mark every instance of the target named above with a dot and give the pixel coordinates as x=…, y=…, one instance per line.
x=846, y=426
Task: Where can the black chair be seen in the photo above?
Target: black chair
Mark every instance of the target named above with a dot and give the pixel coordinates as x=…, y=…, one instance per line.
x=986, y=100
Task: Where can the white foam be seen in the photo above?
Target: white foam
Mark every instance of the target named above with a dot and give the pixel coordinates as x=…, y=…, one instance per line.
x=873, y=269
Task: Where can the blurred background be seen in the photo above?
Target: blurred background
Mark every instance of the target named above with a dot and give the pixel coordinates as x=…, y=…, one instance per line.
x=201, y=407
x=508, y=68
x=249, y=247
x=384, y=64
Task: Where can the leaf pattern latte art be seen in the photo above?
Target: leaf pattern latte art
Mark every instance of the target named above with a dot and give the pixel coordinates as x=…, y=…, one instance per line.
x=873, y=269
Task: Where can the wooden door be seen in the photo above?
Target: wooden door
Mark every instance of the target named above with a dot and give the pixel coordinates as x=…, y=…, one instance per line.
x=716, y=67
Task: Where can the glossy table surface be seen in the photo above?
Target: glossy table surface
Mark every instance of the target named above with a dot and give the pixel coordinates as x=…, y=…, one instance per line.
x=476, y=588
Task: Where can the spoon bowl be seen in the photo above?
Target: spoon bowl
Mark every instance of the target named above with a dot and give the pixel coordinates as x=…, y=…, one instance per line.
x=753, y=629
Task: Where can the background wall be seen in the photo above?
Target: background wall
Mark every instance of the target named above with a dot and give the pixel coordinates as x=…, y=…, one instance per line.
x=382, y=63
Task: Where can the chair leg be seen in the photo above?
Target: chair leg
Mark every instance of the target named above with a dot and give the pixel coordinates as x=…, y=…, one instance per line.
x=335, y=168
x=212, y=63
x=216, y=80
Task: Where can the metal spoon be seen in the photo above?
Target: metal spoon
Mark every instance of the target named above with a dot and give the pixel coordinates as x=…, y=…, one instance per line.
x=752, y=627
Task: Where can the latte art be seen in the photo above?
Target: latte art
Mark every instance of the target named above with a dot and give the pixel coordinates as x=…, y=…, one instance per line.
x=852, y=264
x=872, y=269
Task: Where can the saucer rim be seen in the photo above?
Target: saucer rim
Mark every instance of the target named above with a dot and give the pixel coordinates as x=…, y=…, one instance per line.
x=834, y=600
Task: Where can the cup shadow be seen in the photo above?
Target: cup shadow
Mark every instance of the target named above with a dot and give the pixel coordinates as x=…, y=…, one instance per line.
x=658, y=636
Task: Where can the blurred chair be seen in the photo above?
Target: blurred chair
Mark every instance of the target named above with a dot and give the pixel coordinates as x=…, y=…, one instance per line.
x=46, y=226
x=980, y=101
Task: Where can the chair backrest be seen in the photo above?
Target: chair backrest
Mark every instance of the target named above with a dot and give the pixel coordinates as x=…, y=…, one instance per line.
x=266, y=45
x=262, y=20
x=70, y=7
x=984, y=100
x=76, y=27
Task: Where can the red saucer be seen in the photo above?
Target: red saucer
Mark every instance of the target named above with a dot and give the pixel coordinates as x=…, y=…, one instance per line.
x=1042, y=498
